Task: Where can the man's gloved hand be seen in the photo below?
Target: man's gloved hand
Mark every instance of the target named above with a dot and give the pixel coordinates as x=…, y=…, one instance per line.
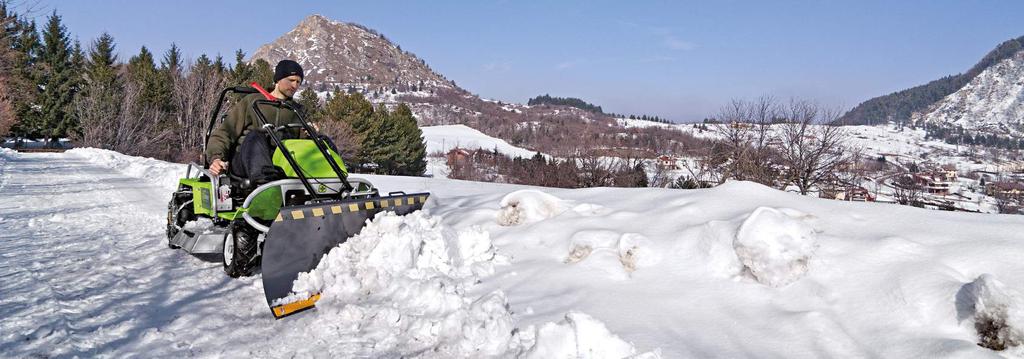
x=218, y=166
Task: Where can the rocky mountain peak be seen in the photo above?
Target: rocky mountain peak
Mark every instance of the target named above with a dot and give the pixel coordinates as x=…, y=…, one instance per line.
x=348, y=55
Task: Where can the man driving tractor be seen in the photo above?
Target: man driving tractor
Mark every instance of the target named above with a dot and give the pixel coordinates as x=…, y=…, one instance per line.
x=234, y=147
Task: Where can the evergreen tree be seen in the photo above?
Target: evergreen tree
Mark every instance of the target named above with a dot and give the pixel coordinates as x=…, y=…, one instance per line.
x=168, y=74
x=57, y=81
x=412, y=152
x=25, y=77
x=142, y=71
x=241, y=74
x=310, y=104
x=263, y=74
x=102, y=90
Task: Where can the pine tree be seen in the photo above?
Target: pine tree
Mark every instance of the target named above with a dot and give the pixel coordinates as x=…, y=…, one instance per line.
x=143, y=72
x=412, y=153
x=311, y=105
x=262, y=74
x=168, y=75
x=57, y=81
x=347, y=120
x=25, y=76
x=241, y=74
x=102, y=91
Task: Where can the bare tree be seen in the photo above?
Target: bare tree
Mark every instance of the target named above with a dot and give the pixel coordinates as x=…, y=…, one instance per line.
x=130, y=127
x=906, y=190
x=811, y=153
x=747, y=140
x=6, y=110
x=195, y=96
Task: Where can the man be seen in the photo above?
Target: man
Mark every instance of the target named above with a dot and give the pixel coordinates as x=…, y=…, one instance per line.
x=237, y=137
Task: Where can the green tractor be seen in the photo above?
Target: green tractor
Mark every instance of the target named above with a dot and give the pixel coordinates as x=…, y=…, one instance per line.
x=283, y=226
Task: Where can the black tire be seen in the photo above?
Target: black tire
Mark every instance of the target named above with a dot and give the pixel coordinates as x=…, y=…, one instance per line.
x=240, y=247
x=175, y=218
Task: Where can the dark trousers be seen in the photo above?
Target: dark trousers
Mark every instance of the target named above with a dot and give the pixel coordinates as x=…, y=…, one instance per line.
x=253, y=160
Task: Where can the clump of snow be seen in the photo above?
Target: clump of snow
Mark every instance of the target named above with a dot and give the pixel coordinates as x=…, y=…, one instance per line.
x=612, y=249
x=581, y=336
x=996, y=311
x=7, y=153
x=775, y=246
x=200, y=225
x=528, y=206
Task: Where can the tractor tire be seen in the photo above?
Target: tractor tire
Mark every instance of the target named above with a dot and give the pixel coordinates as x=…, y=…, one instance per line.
x=177, y=218
x=240, y=247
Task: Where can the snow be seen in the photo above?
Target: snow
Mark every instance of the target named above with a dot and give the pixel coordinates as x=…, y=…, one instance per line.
x=87, y=273
x=775, y=246
x=445, y=138
x=996, y=312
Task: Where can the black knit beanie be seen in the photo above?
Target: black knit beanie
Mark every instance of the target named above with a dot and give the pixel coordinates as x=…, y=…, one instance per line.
x=287, y=68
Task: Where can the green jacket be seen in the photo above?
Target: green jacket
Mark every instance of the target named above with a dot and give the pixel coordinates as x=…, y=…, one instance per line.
x=228, y=135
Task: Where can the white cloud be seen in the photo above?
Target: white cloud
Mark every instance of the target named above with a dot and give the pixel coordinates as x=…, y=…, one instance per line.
x=676, y=44
x=564, y=65
x=500, y=66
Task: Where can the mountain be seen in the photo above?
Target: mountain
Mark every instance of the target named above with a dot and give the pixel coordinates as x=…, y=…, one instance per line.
x=992, y=103
x=352, y=58
x=899, y=106
x=335, y=53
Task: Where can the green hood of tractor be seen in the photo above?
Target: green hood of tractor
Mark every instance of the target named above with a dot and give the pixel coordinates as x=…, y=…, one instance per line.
x=309, y=158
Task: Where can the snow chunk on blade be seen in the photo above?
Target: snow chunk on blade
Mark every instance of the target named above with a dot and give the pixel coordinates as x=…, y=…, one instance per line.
x=775, y=246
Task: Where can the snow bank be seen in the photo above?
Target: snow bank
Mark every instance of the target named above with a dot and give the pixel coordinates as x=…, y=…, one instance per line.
x=775, y=246
x=7, y=153
x=528, y=206
x=996, y=312
x=162, y=173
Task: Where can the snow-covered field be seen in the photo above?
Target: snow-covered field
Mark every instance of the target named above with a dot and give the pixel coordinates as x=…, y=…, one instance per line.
x=490, y=270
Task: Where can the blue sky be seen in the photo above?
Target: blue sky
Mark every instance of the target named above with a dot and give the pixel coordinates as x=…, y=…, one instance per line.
x=676, y=59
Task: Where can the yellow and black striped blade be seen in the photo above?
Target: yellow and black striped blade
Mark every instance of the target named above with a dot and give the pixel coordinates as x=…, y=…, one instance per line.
x=301, y=235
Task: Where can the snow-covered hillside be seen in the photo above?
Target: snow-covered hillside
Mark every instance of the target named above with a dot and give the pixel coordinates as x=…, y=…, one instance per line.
x=993, y=102
x=441, y=139
x=739, y=270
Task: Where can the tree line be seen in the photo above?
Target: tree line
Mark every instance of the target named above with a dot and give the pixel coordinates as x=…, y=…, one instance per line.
x=159, y=106
x=564, y=101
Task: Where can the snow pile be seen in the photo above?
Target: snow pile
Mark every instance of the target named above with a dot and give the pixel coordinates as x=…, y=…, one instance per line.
x=775, y=245
x=7, y=153
x=162, y=173
x=402, y=284
x=580, y=336
x=528, y=206
x=996, y=311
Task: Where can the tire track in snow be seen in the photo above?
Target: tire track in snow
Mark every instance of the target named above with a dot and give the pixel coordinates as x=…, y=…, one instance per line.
x=86, y=272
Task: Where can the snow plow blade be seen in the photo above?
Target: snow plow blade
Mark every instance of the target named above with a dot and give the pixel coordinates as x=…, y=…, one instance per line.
x=301, y=235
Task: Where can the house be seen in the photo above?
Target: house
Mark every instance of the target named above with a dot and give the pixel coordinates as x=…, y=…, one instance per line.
x=667, y=162
x=950, y=173
x=1010, y=189
x=933, y=183
x=458, y=155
